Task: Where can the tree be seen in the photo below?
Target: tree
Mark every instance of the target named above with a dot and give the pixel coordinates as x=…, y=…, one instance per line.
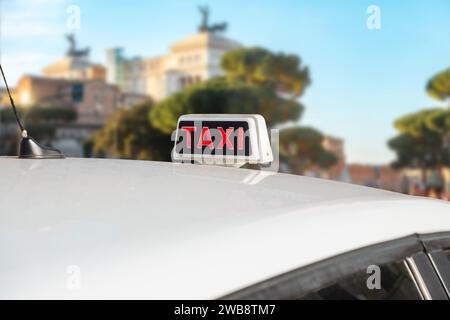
x=50, y=114
x=417, y=124
x=412, y=152
x=301, y=149
x=42, y=122
x=439, y=86
x=424, y=139
x=40, y=115
x=427, y=129
x=420, y=142
x=222, y=96
x=257, y=66
x=128, y=134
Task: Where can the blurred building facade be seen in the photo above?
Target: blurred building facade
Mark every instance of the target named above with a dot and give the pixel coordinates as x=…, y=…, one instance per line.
x=75, y=68
x=335, y=146
x=92, y=99
x=94, y=91
x=189, y=61
x=73, y=82
x=376, y=176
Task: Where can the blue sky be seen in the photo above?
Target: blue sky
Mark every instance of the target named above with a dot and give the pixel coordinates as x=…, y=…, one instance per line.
x=362, y=79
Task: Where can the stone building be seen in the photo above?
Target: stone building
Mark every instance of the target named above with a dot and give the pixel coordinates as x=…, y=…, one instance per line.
x=189, y=61
x=75, y=68
x=93, y=99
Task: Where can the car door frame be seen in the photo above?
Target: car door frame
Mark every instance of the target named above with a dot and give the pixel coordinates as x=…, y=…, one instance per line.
x=435, y=245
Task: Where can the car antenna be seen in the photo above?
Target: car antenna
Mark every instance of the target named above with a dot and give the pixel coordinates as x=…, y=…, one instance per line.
x=28, y=147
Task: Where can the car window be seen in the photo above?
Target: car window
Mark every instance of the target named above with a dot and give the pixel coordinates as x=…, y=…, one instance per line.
x=380, y=271
x=447, y=254
x=443, y=268
x=394, y=282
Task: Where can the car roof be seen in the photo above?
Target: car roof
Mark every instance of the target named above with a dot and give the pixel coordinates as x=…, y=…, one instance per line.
x=141, y=229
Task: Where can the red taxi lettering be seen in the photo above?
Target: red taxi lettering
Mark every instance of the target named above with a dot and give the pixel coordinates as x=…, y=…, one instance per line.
x=205, y=139
x=225, y=138
x=241, y=138
x=188, y=135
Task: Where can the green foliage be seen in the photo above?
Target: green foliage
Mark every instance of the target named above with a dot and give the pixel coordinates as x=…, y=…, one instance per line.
x=42, y=131
x=415, y=124
x=50, y=114
x=257, y=66
x=39, y=115
x=421, y=139
x=40, y=122
x=424, y=135
x=407, y=151
x=439, y=86
x=301, y=149
x=129, y=135
x=439, y=121
x=424, y=140
x=7, y=115
x=222, y=96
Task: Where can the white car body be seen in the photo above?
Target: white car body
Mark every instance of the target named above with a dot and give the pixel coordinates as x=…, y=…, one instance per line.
x=112, y=229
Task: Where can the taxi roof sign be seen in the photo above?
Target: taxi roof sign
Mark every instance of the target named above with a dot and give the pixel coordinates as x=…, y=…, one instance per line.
x=222, y=139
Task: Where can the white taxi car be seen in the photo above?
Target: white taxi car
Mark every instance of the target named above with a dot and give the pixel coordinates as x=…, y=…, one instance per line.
x=112, y=229
x=119, y=229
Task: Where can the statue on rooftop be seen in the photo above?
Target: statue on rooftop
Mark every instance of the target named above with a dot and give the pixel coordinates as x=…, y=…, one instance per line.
x=205, y=26
x=73, y=51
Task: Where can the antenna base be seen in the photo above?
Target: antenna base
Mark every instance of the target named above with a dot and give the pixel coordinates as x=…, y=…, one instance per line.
x=30, y=149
